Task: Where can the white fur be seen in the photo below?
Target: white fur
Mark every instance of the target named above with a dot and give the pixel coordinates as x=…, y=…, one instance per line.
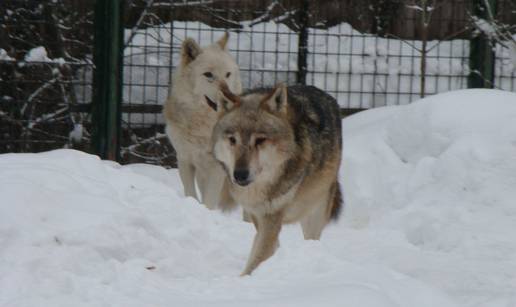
x=190, y=119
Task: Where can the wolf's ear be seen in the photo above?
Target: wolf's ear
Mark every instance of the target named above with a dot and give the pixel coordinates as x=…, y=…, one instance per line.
x=223, y=41
x=226, y=100
x=224, y=104
x=276, y=101
x=189, y=51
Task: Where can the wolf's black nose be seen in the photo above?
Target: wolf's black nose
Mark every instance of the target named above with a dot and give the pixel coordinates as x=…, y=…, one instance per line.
x=241, y=176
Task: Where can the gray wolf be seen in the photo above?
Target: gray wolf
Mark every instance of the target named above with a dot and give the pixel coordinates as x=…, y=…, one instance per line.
x=190, y=118
x=281, y=149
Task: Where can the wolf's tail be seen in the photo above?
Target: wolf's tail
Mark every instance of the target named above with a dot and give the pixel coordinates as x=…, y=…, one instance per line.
x=336, y=202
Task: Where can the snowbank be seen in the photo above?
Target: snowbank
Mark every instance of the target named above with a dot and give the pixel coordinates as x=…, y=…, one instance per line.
x=77, y=231
x=429, y=221
x=430, y=190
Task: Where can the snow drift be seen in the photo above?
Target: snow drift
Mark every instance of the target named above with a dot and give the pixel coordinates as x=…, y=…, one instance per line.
x=429, y=220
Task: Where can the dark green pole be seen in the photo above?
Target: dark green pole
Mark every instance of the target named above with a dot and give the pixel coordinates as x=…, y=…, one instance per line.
x=302, y=53
x=107, y=78
x=481, y=52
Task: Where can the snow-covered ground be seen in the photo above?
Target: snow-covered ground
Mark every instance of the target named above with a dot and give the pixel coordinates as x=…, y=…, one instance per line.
x=429, y=220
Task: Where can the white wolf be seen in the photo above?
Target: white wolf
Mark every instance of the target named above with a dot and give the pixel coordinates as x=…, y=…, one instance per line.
x=190, y=117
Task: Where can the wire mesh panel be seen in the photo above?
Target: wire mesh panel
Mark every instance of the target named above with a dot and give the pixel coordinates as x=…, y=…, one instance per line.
x=505, y=68
x=365, y=71
x=148, y=55
x=365, y=53
x=383, y=60
x=45, y=75
x=266, y=54
x=505, y=50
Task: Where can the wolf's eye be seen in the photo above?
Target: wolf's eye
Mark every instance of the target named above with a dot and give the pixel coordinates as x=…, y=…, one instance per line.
x=232, y=140
x=228, y=74
x=208, y=75
x=259, y=141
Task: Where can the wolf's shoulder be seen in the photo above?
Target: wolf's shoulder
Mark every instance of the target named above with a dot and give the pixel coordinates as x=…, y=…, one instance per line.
x=309, y=94
x=314, y=106
x=302, y=97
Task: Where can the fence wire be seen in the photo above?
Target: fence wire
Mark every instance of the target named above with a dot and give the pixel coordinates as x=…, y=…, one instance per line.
x=365, y=60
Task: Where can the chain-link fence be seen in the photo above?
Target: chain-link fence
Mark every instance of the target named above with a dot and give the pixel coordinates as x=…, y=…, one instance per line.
x=365, y=53
x=45, y=65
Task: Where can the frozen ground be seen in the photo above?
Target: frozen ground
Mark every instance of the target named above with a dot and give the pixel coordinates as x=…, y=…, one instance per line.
x=430, y=219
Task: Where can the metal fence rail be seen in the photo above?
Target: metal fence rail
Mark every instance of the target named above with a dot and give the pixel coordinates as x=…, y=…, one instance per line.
x=365, y=53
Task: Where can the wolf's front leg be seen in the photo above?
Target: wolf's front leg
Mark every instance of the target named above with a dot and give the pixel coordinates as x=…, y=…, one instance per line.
x=211, y=183
x=187, y=174
x=265, y=241
x=226, y=202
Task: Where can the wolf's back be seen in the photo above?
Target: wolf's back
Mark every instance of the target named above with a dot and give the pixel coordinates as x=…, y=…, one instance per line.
x=317, y=115
x=312, y=108
x=318, y=120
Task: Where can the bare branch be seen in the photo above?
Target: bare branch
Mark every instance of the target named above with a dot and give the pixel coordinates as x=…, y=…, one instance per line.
x=138, y=23
x=37, y=92
x=447, y=38
x=405, y=41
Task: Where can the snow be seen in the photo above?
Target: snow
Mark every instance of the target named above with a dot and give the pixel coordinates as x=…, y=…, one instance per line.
x=4, y=56
x=77, y=133
x=39, y=54
x=79, y=231
x=484, y=26
x=438, y=176
x=512, y=52
x=429, y=220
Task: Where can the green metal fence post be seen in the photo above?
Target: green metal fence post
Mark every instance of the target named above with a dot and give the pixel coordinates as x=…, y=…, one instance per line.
x=481, y=52
x=302, y=53
x=107, y=79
